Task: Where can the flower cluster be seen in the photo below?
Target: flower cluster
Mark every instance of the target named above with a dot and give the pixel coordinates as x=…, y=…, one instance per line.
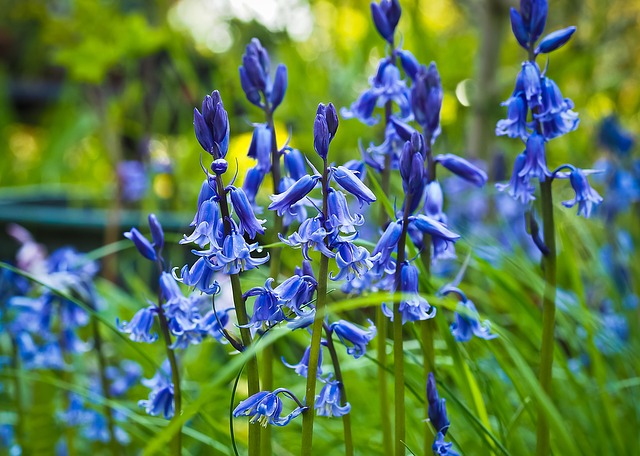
x=537, y=112
x=438, y=419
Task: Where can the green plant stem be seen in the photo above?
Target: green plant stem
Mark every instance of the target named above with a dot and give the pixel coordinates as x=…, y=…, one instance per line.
x=543, y=447
x=253, y=378
x=316, y=336
x=176, y=441
x=65, y=376
x=274, y=271
x=381, y=321
x=104, y=382
x=18, y=395
x=398, y=348
x=346, y=419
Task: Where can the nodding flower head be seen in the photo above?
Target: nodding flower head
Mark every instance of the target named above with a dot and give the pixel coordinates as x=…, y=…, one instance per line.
x=208, y=226
x=139, y=328
x=529, y=79
x=515, y=125
x=265, y=408
x=266, y=308
x=338, y=215
x=467, y=323
x=328, y=401
x=294, y=163
x=463, y=168
x=556, y=116
x=161, y=396
x=520, y=187
x=442, y=448
x=426, y=100
x=260, y=147
x=434, y=202
x=282, y=202
x=324, y=128
x=310, y=234
x=412, y=166
x=142, y=244
x=386, y=16
x=302, y=368
x=212, y=126
x=412, y=306
x=383, y=261
x=297, y=292
x=535, y=164
x=201, y=276
x=348, y=180
x=235, y=255
x=586, y=197
x=248, y=221
x=354, y=337
x=437, y=407
x=353, y=261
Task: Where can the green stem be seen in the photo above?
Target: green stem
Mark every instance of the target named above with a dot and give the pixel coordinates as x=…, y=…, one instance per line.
x=346, y=419
x=104, y=382
x=316, y=335
x=253, y=379
x=274, y=271
x=176, y=442
x=18, y=395
x=543, y=447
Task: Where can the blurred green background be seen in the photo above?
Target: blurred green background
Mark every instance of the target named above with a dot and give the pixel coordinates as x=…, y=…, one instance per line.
x=87, y=84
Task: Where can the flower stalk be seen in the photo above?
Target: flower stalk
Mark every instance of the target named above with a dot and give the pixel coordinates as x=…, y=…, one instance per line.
x=104, y=382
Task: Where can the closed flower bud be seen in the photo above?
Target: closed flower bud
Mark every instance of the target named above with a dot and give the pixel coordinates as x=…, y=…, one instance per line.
x=157, y=234
x=346, y=179
x=409, y=63
x=519, y=29
x=260, y=147
x=142, y=244
x=294, y=163
x=555, y=40
x=283, y=201
x=463, y=168
x=219, y=166
x=248, y=221
x=279, y=87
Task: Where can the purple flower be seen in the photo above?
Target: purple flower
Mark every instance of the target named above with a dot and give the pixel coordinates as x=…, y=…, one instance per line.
x=534, y=17
x=279, y=87
x=520, y=187
x=297, y=292
x=352, y=260
x=142, y=244
x=386, y=16
x=535, y=164
x=265, y=408
x=123, y=377
x=294, y=163
x=338, y=216
x=161, y=395
x=201, y=276
x=555, y=40
x=328, y=401
x=235, y=255
x=437, y=407
x=434, y=201
x=586, y=197
x=302, y=368
x=347, y=179
x=139, y=328
x=212, y=126
x=529, y=77
x=467, y=323
x=208, y=226
x=132, y=179
x=260, y=147
x=354, y=337
x=254, y=72
x=556, y=115
x=385, y=247
x=266, y=308
x=303, y=186
x=412, y=306
x=412, y=168
x=515, y=125
x=248, y=221
x=324, y=128
x=442, y=448
x=463, y=168
x=310, y=234
x=426, y=100
x=252, y=181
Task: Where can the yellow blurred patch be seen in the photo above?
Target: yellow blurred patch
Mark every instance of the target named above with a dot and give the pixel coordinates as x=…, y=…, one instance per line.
x=163, y=186
x=449, y=112
x=599, y=105
x=439, y=15
x=23, y=145
x=352, y=25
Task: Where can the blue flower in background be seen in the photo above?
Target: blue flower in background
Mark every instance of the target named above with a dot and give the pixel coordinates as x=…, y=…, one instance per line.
x=412, y=306
x=586, y=197
x=353, y=261
x=266, y=307
x=437, y=407
x=386, y=15
x=161, y=395
x=614, y=137
x=442, y=448
x=302, y=368
x=426, y=100
x=467, y=323
x=123, y=377
x=139, y=328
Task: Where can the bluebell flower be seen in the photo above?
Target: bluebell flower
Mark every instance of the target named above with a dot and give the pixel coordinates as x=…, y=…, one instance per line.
x=463, y=168
x=139, y=328
x=285, y=200
x=279, y=87
x=434, y=228
x=530, y=79
x=235, y=255
x=123, y=377
x=358, y=167
x=555, y=40
x=534, y=17
x=328, y=401
x=212, y=126
x=586, y=197
x=386, y=16
x=254, y=72
x=434, y=202
x=157, y=233
x=515, y=125
x=616, y=139
x=161, y=396
x=248, y=221
x=265, y=408
x=437, y=407
x=409, y=63
x=297, y=292
x=132, y=180
x=302, y=368
x=520, y=31
x=467, y=323
x=208, y=226
x=266, y=307
x=426, y=100
x=556, y=116
x=260, y=147
x=385, y=247
x=347, y=179
x=252, y=181
x=535, y=164
x=412, y=168
x=207, y=192
x=354, y=337
x=375, y=156
x=310, y=234
x=201, y=276
x=352, y=260
x=442, y=448
x=520, y=187
x=142, y=244
x=294, y=163
x=362, y=109
x=324, y=128
x=412, y=306
x=213, y=322
x=338, y=216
